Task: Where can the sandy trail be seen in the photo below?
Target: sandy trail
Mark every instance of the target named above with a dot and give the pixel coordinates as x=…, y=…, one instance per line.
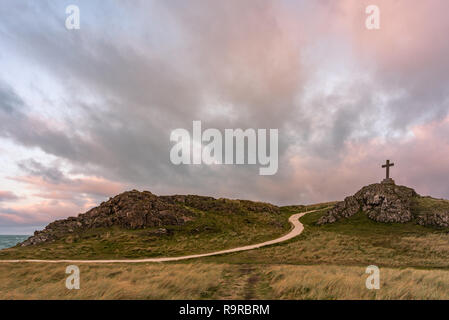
x=297, y=229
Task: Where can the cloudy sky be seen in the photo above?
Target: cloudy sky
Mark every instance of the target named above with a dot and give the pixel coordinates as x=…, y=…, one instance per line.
x=86, y=114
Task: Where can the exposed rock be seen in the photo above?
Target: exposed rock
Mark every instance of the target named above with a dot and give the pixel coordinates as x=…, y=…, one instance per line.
x=138, y=210
x=343, y=209
x=382, y=202
x=129, y=210
x=436, y=219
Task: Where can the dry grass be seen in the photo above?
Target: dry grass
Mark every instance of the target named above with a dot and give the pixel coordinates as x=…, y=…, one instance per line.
x=357, y=241
x=150, y=281
x=335, y=282
x=331, y=248
x=218, y=281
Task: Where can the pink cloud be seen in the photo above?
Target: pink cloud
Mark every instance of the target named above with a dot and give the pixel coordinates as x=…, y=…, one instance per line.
x=411, y=38
x=7, y=196
x=67, y=197
x=43, y=212
x=68, y=187
x=420, y=163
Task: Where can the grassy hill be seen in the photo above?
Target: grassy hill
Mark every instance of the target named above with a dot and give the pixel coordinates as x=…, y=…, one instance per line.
x=216, y=224
x=324, y=262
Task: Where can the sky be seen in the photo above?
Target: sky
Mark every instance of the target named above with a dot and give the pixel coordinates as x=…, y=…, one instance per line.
x=87, y=113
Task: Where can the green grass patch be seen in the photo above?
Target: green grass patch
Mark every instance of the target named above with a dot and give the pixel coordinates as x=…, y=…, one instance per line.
x=424, y=205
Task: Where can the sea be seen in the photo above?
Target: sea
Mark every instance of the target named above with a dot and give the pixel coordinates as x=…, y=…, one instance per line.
x=11, y=241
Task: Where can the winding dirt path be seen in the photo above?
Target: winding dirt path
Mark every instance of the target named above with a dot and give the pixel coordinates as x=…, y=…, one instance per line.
x=297, y=229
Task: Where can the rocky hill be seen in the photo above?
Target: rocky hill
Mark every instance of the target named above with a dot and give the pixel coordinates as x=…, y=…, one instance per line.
x=388, y=202
x=140, y=210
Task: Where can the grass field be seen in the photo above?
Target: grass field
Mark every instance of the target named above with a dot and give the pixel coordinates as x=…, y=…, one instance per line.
x=218, y=281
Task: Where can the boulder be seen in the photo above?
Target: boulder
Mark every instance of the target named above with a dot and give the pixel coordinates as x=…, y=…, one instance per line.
x=129, y=210
x=381, y=202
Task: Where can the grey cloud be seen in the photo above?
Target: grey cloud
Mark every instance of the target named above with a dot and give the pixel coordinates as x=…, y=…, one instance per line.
x=29, y=130
x=35, y=168
x=231, y=53
x=9, y=101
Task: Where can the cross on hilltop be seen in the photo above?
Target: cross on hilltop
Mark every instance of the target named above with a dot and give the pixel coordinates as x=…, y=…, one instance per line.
x=387, y=165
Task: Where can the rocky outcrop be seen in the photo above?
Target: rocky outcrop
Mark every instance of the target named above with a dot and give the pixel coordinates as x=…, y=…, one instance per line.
x=129, y=210
x=382, y=202
x=139, y=210
x=435, y=219
x=343, y=209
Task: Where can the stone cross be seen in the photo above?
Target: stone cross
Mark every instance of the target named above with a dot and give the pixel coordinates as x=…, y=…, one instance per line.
x=388, y=165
